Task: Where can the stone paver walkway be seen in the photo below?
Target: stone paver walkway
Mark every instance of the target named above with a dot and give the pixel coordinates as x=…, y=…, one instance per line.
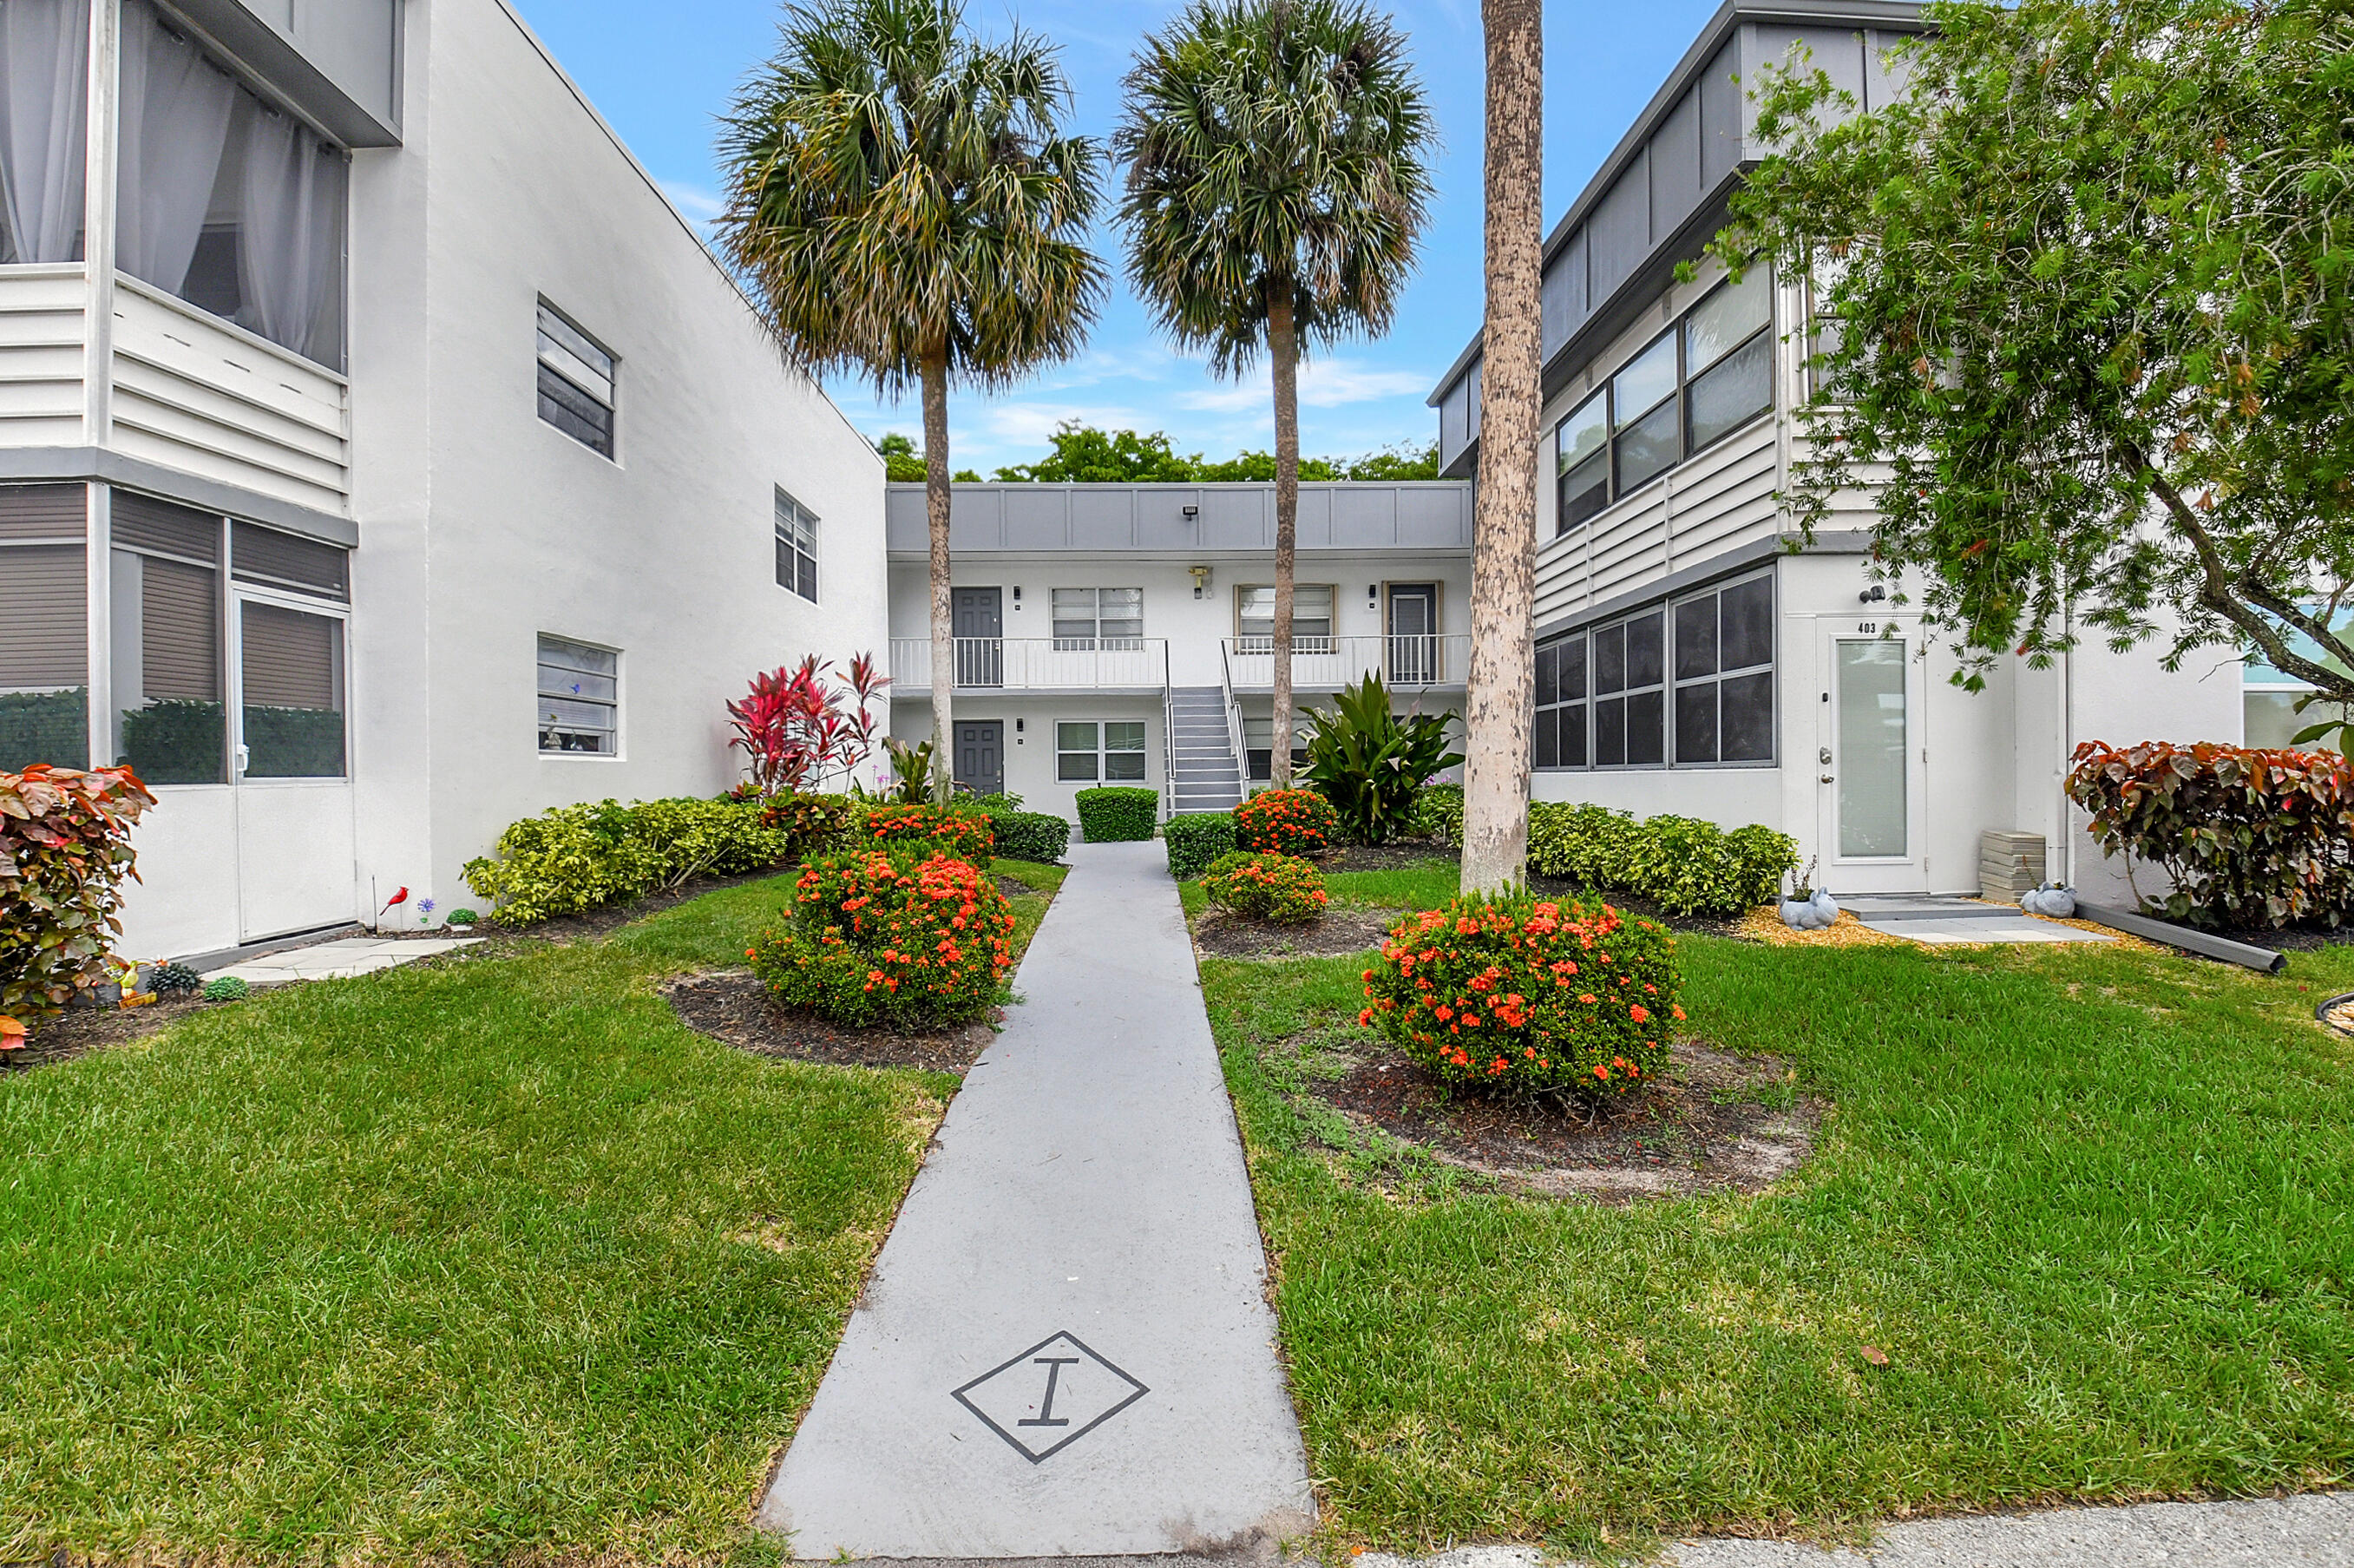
x=1065, y=1347
x=341, y=959
x=1939, y=918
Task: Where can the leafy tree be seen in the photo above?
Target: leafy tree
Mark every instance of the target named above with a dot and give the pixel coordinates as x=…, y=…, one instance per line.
x=1395, y=464
x=1086, y=455
x=2088, y=322
x=1500, y=687
x=905, y=202
x=902, y=463
x=1276, y=154
x=1259, y=467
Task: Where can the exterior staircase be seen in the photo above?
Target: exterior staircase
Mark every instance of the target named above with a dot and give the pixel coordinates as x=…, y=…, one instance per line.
x=1209, y=776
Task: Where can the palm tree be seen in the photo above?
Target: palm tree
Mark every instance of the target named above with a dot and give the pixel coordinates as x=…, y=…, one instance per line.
x=904, y=201
x=1499, y=687
x=1275, y=154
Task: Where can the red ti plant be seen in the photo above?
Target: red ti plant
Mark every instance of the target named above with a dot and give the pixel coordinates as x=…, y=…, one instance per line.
x=797, y=728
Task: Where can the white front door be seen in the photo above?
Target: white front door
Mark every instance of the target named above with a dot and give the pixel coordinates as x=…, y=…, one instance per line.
x=292, y=753
x=1869, y=782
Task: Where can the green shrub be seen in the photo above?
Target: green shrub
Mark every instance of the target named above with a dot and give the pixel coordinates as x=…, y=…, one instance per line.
x=48, y=728
x=176, y=740
x=1115, y=815
x=65, y=851
x=573, y=858
x=1282, y=888
x=956, y=830
x=1371, y=764
x=889, y=937
x=225, y=988
x=2246, y=837
x=1195, y=839
x=463, y=917
x=294, y=742
x=1687, y=866
x=1286, y=822
x=174, y=980
x=1438, y=812
x=1037, y=836
x=813, y=823
x=1528, y=996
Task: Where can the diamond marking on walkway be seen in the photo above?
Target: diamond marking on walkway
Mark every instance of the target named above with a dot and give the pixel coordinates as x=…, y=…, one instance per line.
x=1050, y=1396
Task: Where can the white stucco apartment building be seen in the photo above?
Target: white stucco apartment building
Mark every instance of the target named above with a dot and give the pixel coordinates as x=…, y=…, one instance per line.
x=1687, y=662
x=383, y=456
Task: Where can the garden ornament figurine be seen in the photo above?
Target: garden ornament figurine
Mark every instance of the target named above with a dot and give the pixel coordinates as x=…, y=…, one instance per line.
x=1809, y=907
x=2053, y=900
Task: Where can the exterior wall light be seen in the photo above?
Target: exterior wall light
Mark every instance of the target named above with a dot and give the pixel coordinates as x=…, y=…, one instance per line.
x=1201, y=577
x=1191, y=512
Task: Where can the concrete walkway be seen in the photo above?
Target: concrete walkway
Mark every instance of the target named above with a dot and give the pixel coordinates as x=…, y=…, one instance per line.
x=341, y=959
x=1065, y=1347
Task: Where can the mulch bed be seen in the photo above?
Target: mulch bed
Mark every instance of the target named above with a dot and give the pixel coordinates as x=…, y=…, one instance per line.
x=1391, y=856
x=1719, y=1121
x=733, y=1007
x=1340, y=929
x=78, y=1029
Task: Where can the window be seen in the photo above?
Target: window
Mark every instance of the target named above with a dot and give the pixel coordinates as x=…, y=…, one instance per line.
x=1559, y=740
x=1311, y=616
x=42, y=154
x=1724, y=675
x=1603, y=696
x=1110, y=752
x=796, y=547
x=44, y=627
x=226, y=200
x=580, y=697
x=1099, y=617
x=576, y=383
x=1259, y=746
x=292, y=663
x=171, y=721
x=1697, y=382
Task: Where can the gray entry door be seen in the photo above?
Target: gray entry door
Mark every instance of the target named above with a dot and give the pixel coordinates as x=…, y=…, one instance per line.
x=980, y=754
x=1414, y=640
x=977, y=619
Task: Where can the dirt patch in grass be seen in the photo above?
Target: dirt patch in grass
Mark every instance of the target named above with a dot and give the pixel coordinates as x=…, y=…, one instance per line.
x=1338, y=930
x=732, y=1006
x=1716, y=1121
x=1395, y=855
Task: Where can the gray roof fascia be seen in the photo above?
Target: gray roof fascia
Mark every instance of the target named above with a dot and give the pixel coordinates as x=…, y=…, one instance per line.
x=1729, y=17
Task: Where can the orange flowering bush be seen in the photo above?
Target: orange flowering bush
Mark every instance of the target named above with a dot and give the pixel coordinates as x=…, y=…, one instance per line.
x=966, y=835
x=885, y=939
x=1278, y=887
x=1528, y=996
x=1285, y=821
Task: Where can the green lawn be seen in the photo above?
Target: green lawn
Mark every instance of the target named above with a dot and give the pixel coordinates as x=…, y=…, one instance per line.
x=470, y=1259
x=2097, y=1209
x=1421, y=886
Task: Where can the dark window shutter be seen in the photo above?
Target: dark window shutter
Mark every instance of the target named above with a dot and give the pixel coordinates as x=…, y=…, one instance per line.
x=44, y=617
x=142, y=522
x=258, y=555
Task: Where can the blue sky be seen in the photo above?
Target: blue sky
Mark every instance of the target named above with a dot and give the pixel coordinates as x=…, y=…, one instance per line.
x=661, y=87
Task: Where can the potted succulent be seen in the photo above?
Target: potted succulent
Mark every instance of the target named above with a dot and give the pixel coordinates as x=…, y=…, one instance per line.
x=1809, y=907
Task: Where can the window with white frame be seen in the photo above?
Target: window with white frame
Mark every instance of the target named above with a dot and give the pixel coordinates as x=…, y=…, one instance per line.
x=1311, y=616
x=580, y=697
x=1686, y=683
x=796, y=546
x=1088, y=618
x=576, y=382
x=1109, y=752
x=1697, y=382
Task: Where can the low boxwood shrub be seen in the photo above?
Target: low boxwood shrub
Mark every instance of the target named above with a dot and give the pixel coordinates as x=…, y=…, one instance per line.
x=958, y=830
x=1278, y=887
x=1688, y=866
x=65, y=850
x=887, y=938
x=1285, y=821
x=1528, y=996
x=1438, y=812
x=1113, y=815
x=1195, y=839
x=1037, y=836
x=574, y=858
x=2246, y=837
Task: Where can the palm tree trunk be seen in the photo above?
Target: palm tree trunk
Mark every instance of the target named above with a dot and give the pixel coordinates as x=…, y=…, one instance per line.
x=936, y=513
x=1283, y=354
x=1503, y=529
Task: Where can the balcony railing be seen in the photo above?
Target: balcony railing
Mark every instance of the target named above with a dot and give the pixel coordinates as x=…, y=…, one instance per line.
x=1036, y=663
x=1328, y=664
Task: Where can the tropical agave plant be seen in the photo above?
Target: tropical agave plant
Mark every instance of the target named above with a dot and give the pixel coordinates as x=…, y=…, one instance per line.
x=1371, y=764
x=796, y=729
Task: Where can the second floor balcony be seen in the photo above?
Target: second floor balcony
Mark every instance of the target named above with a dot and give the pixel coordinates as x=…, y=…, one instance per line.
x=1038, y=664
x=1425, y=662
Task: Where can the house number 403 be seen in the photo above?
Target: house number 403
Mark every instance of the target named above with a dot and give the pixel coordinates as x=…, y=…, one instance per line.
x=1867, y=626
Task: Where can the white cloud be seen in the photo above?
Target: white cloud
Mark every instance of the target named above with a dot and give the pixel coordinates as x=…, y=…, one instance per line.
x=699, y=205
x=1323, y=384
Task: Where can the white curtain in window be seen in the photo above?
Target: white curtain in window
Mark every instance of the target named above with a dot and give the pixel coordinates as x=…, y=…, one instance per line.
x=175, y=117
x=44, y=84
x=290, y=261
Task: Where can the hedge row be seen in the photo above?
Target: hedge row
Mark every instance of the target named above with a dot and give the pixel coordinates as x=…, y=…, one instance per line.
x=1687, y=866
x=1112, y=815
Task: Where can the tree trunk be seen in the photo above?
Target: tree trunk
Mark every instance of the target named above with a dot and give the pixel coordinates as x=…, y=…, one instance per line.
x=1503, y=532
x=936, y=513
x=1283, y=355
